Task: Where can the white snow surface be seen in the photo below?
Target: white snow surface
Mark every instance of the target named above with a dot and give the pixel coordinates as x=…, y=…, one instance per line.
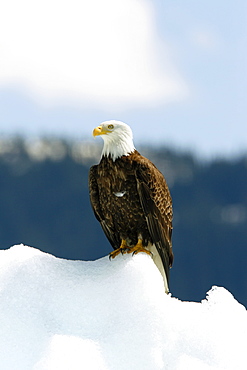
x=110, y=315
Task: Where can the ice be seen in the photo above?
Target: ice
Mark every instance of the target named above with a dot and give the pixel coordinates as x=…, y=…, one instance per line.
x=110, y=315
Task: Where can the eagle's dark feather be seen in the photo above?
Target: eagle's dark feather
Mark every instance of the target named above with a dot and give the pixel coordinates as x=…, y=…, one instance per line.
x=130, y=198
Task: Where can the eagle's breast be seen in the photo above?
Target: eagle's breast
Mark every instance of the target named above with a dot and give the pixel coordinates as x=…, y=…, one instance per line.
x=119, y=197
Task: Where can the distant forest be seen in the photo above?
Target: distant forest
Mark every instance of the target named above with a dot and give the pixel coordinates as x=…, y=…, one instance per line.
x=44, y=203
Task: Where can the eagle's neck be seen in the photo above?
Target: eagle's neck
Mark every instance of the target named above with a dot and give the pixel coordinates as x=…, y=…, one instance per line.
x=117, y=148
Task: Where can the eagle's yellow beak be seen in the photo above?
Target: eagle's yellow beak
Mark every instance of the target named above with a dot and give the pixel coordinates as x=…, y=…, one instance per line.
x=100, y=130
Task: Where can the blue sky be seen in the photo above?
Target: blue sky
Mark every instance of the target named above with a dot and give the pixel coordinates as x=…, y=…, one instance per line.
x=175, y=71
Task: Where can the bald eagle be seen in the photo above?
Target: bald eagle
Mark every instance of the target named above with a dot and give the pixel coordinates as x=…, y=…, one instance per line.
x=130, y=198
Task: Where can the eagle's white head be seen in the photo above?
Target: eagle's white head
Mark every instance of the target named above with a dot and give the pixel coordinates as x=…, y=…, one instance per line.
x=118, y=138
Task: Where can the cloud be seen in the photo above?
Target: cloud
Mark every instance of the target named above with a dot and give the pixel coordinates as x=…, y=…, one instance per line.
x=104, y=52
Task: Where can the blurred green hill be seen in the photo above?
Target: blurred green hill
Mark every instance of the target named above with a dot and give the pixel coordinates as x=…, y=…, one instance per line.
x=44, y=203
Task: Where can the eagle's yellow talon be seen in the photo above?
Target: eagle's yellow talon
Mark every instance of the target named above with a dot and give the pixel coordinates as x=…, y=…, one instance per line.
x=122, y=249
x=115, y=253
x=142, y=250
x=125, y=249
x=139, y=248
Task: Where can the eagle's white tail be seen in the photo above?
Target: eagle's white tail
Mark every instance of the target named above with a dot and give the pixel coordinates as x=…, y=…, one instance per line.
x=158, y=262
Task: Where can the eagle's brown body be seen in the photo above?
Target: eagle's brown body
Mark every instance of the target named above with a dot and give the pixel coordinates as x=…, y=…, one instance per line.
x=131, y=200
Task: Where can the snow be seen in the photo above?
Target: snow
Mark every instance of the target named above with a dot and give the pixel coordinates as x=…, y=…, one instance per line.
x=110, y=315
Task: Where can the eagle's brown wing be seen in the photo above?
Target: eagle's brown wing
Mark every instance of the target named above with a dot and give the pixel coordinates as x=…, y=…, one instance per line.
x=157, y=206
x=95, y=203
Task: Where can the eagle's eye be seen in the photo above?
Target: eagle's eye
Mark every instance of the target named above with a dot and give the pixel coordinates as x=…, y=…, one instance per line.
x=111, y=127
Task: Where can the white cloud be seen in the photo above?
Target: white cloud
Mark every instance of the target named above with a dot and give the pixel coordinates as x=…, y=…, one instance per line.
x=107, y=52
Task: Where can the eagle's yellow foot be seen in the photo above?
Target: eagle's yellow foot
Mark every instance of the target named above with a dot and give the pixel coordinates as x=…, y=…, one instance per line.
x=122, y=249
x=139, y=248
